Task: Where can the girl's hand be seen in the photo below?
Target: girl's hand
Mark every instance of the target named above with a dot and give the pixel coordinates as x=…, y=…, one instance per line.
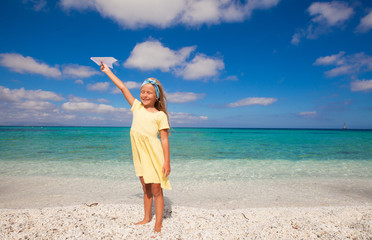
x=104, y=68
x=166, y=169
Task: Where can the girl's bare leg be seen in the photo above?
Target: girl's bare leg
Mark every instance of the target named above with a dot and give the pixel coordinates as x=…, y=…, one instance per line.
x=147, y=202
x=159, y=205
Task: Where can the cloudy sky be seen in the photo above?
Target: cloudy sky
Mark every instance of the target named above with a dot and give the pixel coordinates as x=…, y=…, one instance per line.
x=223, y=63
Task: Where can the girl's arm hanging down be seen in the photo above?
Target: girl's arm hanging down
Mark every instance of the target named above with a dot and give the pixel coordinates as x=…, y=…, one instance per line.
x=127, y=94
x=165, y=144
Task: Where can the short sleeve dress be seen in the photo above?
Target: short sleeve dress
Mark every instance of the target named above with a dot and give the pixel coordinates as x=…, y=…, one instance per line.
x=148, y=155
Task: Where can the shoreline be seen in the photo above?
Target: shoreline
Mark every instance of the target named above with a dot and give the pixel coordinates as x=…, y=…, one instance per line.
x=42, y=191
x=116, y=221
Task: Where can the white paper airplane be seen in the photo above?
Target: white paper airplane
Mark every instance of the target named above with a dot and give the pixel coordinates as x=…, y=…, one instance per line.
x=106, y=60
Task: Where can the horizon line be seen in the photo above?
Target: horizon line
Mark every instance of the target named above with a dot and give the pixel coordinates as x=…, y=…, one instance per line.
x=268, y=128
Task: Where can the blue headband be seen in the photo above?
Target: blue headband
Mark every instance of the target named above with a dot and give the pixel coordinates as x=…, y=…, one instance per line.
x=153, y=82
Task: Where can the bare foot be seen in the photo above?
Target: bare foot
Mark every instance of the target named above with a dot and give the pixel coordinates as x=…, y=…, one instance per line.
x=144, y=221
x=157, y=228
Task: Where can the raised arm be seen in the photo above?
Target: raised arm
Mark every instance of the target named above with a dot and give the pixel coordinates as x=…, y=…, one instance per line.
x=127, y=94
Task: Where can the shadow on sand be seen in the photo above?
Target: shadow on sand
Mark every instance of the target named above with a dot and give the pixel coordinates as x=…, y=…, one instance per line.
x=167, y=206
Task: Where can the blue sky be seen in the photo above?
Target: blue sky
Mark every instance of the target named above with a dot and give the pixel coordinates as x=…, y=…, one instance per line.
x=265, y=64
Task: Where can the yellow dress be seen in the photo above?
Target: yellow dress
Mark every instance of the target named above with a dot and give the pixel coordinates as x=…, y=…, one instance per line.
x=148, y=155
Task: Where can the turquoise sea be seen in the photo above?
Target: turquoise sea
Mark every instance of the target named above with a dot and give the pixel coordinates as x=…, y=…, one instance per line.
x=197, y=154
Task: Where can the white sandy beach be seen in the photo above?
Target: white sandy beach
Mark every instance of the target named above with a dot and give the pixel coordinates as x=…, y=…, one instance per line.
x=106, y=221
x=55, y=208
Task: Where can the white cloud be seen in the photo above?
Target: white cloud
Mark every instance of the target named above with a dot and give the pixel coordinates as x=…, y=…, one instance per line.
x=182, y=97
x=102, y=100
x=38, y=5
x=78, y=5
x=310, y=114
x=73, y=98
x=365, y=23
x=198, y=12
x=296, y=38
x=361, y=85
x=201, y=67
x=89, y=107
x=336, y=59
x=132, y=84
x=17, y=95
x=353, y=64
x=36, y=105
x=74, y=114
x=253, y=101
x=75, y=70
x=136, y=14
x=18, y=63
x=27, y=106
x=28, y=112
x=96, y=114
x=132, y=13
x=330, y=13
x=30, y=107
x=232, y=78
x=182, y=118
x=343, y=70
x=128, y=84
x=79, y=81
x=115, y=90
x=100, y=86
x=152, y=54
x=325, y=17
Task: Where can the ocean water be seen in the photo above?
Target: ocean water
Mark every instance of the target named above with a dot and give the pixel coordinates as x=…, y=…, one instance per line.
x=197, y=154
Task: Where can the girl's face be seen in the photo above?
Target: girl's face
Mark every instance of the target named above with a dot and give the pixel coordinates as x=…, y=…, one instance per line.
x=148, y=95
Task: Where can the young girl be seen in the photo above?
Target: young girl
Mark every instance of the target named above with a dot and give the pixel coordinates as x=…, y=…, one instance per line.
x=150, y=155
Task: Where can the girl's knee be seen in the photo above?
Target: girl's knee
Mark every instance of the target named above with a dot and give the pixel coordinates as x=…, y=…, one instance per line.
x=147, y=189
x=156, y=190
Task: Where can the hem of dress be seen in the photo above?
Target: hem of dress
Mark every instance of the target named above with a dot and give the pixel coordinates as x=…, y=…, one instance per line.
x=167, y=188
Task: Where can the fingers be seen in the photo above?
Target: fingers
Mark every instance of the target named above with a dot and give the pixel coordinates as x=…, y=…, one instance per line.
x=104, y=67
x=166, y=172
